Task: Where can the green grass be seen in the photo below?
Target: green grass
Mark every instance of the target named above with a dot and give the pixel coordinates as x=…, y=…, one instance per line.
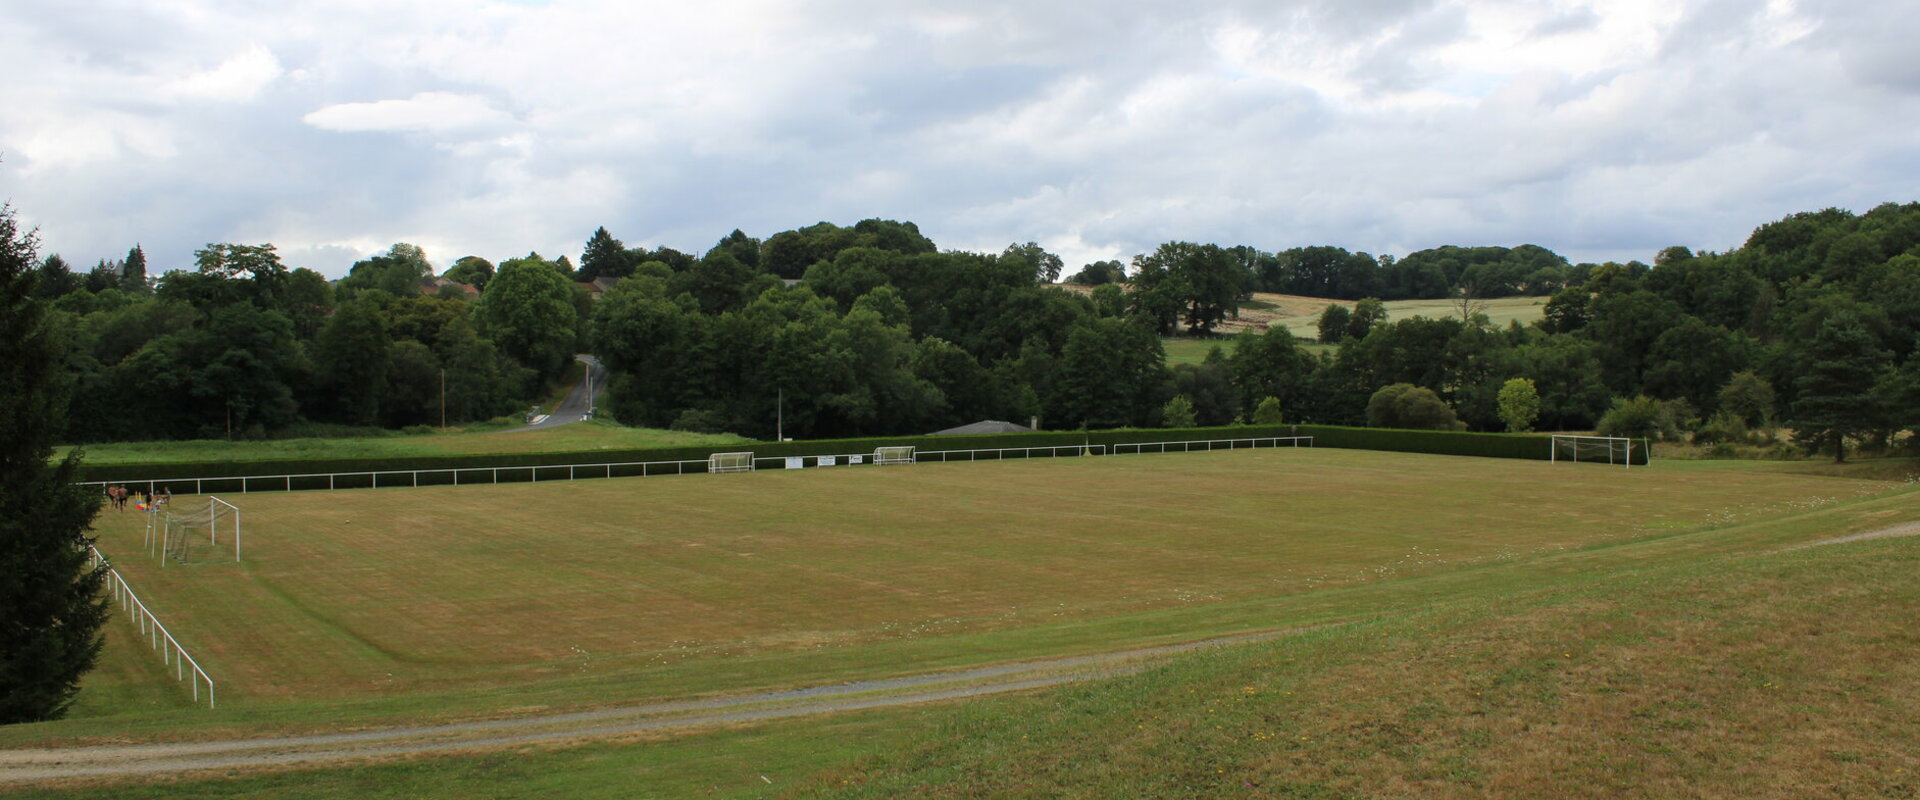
x=596, y=434
x=1500, y=311
x=1188, y=350
x=1680, y=656
x=370, y=606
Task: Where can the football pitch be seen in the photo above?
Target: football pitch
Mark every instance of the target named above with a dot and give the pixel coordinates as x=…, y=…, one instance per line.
x=375, y=605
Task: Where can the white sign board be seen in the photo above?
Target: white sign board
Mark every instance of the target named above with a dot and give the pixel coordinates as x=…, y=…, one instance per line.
x=797, y=462
x=825, y=461
x=856, y=459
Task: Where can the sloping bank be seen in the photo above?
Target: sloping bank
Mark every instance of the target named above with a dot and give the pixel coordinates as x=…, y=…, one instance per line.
x=282, y=474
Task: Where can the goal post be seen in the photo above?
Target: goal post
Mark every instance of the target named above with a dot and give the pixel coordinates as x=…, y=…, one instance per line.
x=194, y=537
x=893, y=455
x=1618, y=450
x=730, y=462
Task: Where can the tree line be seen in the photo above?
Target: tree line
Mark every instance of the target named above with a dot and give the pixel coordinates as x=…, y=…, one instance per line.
x=872, y=329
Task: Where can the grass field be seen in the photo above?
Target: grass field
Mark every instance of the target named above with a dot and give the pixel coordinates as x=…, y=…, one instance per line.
x=1301, y=317
x=1611, y=597
x=594, y=434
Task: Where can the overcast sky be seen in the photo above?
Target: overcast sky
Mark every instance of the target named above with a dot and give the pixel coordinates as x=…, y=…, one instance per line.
x=1602, y=130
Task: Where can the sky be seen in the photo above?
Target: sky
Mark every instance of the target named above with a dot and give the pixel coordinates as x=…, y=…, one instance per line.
x=1604, y=131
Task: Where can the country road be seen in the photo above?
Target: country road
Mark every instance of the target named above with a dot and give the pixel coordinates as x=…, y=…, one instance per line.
x=578, y=401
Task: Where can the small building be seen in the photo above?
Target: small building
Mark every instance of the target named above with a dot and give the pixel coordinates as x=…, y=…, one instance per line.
x=597, y=286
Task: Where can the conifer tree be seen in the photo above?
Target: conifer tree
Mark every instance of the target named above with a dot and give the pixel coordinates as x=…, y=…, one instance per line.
x=1836, y=391
x=51, y=607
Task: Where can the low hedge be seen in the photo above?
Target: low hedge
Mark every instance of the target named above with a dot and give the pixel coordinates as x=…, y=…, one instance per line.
x=546, y=466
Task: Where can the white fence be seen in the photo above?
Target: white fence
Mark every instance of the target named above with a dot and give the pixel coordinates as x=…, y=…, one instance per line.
x=1212, y=444
x=155, y=633
x=460, y=476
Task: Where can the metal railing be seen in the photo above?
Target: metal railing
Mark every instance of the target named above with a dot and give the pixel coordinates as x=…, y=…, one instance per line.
x=1213, y=444
x=461, y=476
x=154, y=632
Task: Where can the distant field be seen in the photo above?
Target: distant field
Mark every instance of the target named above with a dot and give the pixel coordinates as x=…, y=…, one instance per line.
x=589, y=435
x=1301, y=317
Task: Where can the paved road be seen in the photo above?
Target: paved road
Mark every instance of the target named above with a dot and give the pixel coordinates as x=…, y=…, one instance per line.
x=577, y=404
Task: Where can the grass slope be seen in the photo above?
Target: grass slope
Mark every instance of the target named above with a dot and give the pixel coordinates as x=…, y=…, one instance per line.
x=1719, y=662
x=580, y=436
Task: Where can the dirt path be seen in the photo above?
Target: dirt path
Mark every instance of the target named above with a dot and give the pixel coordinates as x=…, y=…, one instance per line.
x=1908, y=529
x=55, y=764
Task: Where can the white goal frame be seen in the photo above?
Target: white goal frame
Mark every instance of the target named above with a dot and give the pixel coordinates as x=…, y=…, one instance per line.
x=1619, y=448
x=169, y=535
x=730, y=462
x=894, y=455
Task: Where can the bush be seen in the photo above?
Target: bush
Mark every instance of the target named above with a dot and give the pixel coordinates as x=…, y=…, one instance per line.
x=1645, y=418
x=1178, y=412
x=1268, y=412
x=695, y=420
x=1724, y=427
x=1404, y=405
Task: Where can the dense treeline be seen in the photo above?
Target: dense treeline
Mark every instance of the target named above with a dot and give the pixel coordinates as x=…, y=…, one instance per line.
x=241, y=346
x=871, y=329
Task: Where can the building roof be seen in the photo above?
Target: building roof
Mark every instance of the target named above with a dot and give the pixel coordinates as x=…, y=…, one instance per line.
x=984, y=426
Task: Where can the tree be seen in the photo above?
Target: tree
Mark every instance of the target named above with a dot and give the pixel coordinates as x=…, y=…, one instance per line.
x=51, y=608
x=473, y=271
x=1334, y=323
x=1268, y=412
x=1519, y=405
x=604, y=256
x=1404, y=405
x=258, y=262
x=1368, y=314
x=528, y=311
x=1046, y=266
x=133, y=271
x=1749, y=397
x=1836, y=399
x=352, y=353
x=56, y=279
x=1177, y=413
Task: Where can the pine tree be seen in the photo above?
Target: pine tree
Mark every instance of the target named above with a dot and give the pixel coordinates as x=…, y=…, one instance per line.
x=133, y=271
x=51, y=607
x=1836, y=391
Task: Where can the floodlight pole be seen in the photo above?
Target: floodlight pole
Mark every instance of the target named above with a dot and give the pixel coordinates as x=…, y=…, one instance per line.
x=780, y=418
x=443, y=399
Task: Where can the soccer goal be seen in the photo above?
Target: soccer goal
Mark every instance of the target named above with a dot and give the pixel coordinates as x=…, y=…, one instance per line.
x=1593, y=449
x=199, y=537
x=893, y=455
x=730, y=462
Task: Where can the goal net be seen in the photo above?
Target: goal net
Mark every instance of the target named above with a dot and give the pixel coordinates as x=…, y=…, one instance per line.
x=730, y=462
x=201, y=536
x=893, y=455
x=1595, y=450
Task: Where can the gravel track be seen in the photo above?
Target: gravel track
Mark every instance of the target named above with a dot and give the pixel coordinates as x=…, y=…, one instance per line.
x=65, y=763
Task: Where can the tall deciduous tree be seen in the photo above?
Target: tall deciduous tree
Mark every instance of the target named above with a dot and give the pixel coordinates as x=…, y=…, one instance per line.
x=527, y=310
x=1519, y=405
x=51, y=607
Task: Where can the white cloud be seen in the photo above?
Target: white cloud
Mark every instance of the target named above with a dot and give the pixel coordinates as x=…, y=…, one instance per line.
x=425, y=112
x=1605, y=130
x=236, y=79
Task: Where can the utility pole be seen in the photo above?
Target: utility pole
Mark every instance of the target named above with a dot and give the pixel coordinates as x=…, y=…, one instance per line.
x=780, y=418
x=443, y=399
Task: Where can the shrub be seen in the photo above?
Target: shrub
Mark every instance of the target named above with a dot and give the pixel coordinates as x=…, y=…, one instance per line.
x=1178, y=412
x=1268, y=412
x=1404, y=405
x=1644, y=418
